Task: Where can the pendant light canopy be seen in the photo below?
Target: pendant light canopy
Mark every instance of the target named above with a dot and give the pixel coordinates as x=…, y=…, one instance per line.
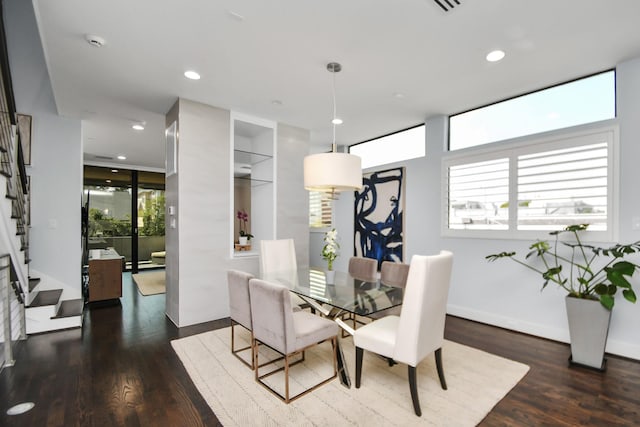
x=333, y=172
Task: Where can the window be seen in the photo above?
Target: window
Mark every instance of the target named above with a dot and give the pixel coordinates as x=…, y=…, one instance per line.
x=587, y=100
x=538, y=184
x=477, y=192
x=320, y=210
x=399, y=146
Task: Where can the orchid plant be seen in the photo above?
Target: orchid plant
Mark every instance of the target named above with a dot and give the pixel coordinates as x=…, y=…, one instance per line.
x=243, y=217
x=330, y=248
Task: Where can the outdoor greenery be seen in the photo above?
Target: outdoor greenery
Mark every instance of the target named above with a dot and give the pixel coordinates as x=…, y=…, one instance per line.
x=103, y=225
x=584, y=271
x=153, y=217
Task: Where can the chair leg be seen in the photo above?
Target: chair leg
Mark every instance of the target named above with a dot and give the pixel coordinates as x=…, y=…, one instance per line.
x=359, y=353
x=253, y=365
x=443, y=382
x=254, y=351
x=286, y=378
x=414, y=390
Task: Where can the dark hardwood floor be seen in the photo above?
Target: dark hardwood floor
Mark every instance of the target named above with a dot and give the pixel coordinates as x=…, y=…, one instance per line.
x=121, y=370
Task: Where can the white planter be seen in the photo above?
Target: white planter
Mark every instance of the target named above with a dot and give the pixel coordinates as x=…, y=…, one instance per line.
x=330, y=277
x=588, y=328
x=242, y=240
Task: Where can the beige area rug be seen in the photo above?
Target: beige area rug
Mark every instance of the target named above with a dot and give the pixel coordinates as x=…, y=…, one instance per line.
x=151, y=282
x=476, y=381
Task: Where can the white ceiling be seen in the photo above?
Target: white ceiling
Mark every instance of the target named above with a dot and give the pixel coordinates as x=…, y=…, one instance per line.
x=279, y=51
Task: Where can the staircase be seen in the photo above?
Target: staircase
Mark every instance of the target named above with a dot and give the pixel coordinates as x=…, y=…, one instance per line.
x=49, y=312
x=35, y=305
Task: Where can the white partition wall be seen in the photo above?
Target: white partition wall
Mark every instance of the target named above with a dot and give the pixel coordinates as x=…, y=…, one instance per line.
x=199, y=245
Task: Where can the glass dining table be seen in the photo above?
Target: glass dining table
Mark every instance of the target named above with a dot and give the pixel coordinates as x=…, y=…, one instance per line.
x=346, y=295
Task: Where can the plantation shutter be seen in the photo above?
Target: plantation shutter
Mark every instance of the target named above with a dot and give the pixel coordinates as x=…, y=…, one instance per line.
x=320, y=210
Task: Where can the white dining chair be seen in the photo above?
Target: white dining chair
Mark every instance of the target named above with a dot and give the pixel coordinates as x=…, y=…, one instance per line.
x=419, y=330
x=277, y=255
x=280, y=255
x=288, y=332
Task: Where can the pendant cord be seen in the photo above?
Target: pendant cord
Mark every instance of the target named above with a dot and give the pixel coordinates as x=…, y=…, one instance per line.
x=333, y=146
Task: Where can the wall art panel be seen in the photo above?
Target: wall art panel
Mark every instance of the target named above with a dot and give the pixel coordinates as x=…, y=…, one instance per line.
x=379, y=216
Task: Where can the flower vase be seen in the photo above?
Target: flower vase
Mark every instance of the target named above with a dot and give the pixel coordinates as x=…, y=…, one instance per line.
x=242, y=240
x=330, y=277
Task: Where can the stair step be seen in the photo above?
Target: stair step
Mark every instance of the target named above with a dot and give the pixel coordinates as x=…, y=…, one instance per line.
x=70, y=308
x=33, y=282
x=46, y=298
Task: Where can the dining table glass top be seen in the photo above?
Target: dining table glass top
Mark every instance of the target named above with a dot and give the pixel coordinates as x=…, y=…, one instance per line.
x=346, y=293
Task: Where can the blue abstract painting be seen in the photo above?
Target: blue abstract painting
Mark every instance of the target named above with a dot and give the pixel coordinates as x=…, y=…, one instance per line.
x=379, y=216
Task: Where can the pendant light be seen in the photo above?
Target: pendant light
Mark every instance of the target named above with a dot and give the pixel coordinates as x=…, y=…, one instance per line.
x=333, y=172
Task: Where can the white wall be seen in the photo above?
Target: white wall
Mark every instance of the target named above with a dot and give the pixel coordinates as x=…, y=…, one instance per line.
x=56, y=154
x=292, y=218
x=503, y=293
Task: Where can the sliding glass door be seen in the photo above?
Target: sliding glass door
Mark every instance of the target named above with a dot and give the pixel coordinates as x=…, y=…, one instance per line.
x=150, y=212
x=126, y=213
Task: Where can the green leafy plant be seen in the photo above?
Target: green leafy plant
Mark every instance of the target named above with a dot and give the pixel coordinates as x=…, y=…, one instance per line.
x=103, y=225
x=153, y=217
x=584, y=271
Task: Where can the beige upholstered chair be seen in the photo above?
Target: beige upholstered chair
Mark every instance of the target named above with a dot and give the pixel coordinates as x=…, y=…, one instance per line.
x=392, y=274
x=280, y=255
x=288, y=332
x=365, y=269
x=240, y=308
x=419, y=330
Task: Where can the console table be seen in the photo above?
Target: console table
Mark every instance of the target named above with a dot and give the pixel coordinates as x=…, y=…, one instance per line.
x=105, y=275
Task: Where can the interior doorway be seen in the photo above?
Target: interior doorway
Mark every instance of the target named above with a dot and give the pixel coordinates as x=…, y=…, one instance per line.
x=126, y=212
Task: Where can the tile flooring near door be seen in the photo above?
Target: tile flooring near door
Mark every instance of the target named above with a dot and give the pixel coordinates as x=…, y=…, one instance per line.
x=121, y=370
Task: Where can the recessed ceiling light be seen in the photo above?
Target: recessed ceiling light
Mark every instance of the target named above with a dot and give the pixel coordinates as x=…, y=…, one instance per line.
x=336, y=121
x=495, y=55
x=235, y=15
x=138, y=126
x=107, y=180
x=192, y=75
x=114, y=170
x=122, y=157
x=398, y=95
x=95, y=41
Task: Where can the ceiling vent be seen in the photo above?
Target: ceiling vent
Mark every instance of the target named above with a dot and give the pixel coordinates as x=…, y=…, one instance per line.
x=103, y=157
x=447, y=5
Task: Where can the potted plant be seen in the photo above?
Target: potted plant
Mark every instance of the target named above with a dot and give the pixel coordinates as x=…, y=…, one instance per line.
x=245, y=236
x=592, y=276
x=330, y=253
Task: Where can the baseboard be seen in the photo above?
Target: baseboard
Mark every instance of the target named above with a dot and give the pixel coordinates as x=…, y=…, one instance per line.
x=619, y=348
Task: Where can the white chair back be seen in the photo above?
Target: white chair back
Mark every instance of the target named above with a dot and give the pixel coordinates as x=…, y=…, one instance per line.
x=277, y=255
x=424, y=307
